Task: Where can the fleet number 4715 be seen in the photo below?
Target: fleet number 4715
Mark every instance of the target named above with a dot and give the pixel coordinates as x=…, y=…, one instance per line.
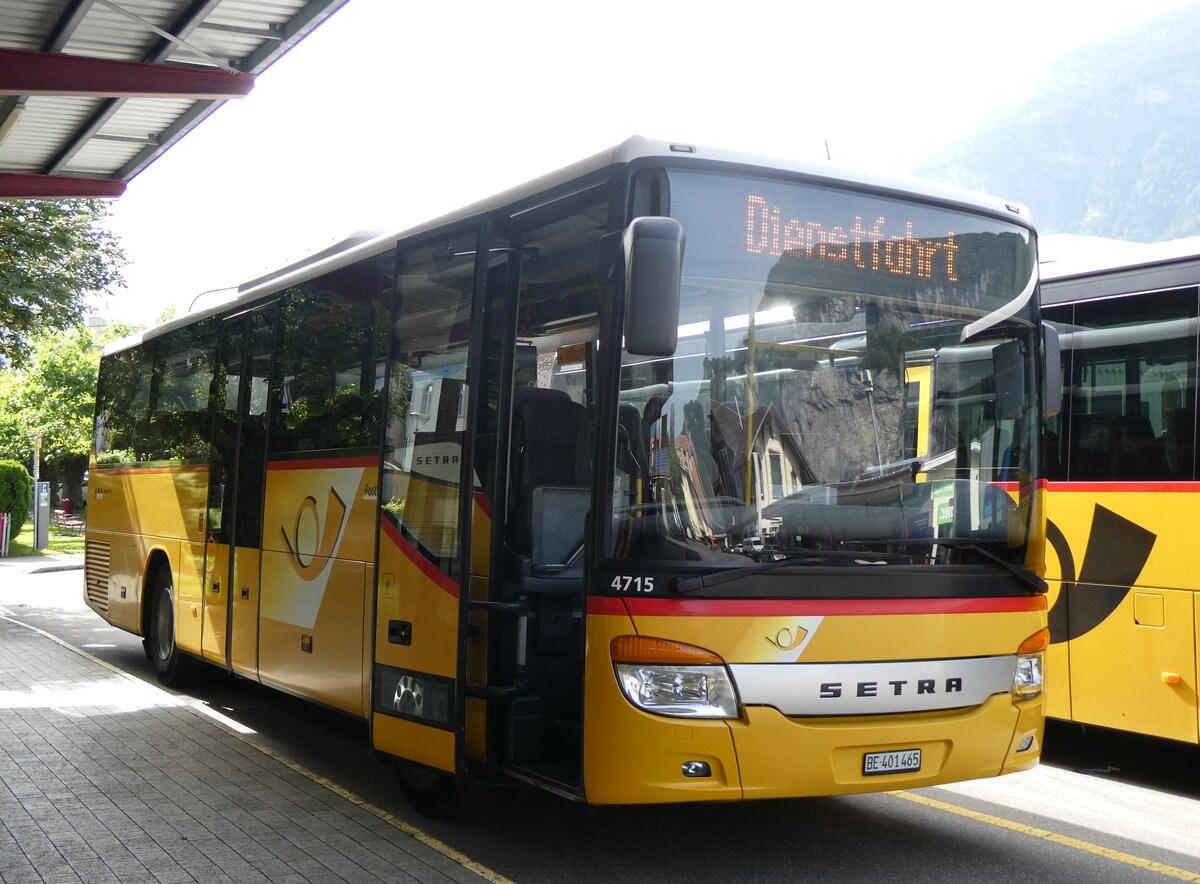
x=632, y=584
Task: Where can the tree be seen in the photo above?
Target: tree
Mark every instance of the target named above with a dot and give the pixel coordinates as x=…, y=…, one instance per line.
x=54, y=255
x=52, y=396
x=16, y=493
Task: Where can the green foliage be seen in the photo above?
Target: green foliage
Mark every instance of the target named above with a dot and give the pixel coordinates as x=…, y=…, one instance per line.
x=16, y=493
x=52, y=395
x=115, y=456
x=54, y=255
x=395, y=509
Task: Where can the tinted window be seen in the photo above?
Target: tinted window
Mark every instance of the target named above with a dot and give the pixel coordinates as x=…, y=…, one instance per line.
x=427, y=398
x=177, y=424
x=329, y=370
x=152, y=401
x=1131, y=388
x=120, y=404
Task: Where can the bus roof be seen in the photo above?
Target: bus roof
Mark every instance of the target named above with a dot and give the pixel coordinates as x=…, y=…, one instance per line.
x=1077, y=268
x=361, y=246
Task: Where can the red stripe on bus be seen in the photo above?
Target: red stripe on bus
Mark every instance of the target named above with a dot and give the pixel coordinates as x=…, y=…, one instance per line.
x=1129, y=487
x=1010, y=487
x=603, y=604
x=481, y=501
x=323, y=463
x=827, y=607
x=426, y=567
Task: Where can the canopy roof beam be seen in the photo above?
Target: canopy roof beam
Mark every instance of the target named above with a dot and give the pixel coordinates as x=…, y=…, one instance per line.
x=14, y=185
x=47, y=73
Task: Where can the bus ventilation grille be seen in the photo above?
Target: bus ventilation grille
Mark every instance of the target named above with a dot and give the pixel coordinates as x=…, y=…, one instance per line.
x=96, y=569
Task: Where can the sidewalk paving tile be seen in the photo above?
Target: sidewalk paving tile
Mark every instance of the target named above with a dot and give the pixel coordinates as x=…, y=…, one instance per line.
x=123, y=782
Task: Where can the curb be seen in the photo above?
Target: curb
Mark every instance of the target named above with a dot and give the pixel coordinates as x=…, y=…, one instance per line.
x=49, y=569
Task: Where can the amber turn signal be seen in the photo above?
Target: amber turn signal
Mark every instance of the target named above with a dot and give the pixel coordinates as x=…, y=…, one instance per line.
x=1039, y=641
x=644, y=649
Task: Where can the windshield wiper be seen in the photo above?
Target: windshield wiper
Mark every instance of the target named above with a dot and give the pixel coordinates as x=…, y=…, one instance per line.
x=791, y=557
x=1025, y=576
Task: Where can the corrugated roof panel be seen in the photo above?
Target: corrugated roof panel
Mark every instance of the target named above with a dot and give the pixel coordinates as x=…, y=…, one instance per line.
x=221, y=45
x=105, y=33
x=141, y=117
x=28, y=22
x=255, y=17
x=255, y=13
x=99, y=156
x=46, y=123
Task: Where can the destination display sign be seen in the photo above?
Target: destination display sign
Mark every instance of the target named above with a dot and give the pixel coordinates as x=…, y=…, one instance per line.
x=875, y=244
x=755, y=230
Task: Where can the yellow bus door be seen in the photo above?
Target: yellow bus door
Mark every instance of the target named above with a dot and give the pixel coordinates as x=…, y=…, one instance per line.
x=235, y=496
x=542, y=486
x=418, y=708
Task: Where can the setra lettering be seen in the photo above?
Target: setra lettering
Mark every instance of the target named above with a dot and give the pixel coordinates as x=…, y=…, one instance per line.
x=831, y=690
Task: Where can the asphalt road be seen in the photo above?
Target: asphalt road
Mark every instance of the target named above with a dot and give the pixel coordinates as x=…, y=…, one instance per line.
x=1101, y=807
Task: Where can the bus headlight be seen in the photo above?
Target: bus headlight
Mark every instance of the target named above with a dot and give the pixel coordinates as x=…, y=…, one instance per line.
x=671, y=678
x=1027, y=681
x=690, y=691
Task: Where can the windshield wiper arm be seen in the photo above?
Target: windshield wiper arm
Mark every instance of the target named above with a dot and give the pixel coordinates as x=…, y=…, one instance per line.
x=1024, y=575
x=791, y=557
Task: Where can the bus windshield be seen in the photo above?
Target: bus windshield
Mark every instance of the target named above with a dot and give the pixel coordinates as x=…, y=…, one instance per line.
x=854, y=374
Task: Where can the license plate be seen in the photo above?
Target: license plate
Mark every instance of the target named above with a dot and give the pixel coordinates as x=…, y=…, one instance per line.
x=900, y=761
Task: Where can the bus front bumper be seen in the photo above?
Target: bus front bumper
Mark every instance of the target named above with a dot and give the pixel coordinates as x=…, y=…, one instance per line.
x=764, y=754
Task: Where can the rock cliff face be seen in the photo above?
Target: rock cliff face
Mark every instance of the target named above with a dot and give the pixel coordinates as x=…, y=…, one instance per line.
x=1110, y=147
x=831, y=418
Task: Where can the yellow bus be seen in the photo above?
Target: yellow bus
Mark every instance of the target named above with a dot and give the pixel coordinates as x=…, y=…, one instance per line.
x=602, y=484
x=1123, y=498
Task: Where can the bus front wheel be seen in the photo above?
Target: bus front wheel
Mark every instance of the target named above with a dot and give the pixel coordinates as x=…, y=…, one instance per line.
x=173, y=668
x=435, y=794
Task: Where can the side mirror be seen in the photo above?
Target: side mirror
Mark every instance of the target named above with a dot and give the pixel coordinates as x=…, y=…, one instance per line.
x=1010, y=380
x=653, y=265
x=1052, y=352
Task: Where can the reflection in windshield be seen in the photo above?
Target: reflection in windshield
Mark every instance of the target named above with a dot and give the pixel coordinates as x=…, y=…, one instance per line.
x=819, y=407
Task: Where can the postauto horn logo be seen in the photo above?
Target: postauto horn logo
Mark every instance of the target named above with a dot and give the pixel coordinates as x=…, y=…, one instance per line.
x=310, y=559
x=788, y=639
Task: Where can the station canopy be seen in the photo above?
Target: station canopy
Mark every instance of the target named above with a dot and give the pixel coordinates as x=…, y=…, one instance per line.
x=93, y=91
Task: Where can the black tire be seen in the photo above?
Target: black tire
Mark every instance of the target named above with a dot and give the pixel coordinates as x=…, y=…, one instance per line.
x=174, y=669
x=435, y=794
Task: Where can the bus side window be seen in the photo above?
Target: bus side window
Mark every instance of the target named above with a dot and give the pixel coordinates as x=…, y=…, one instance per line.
x=1090, y=445
x=1136, y=455
x=1132, y=387
x=1179, y=443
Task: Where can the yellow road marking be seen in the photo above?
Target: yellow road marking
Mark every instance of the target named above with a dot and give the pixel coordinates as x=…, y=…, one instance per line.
x=1033, y=832
x=407, y=828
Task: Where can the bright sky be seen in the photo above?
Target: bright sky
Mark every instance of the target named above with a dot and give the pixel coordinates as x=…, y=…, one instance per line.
x=392, y=113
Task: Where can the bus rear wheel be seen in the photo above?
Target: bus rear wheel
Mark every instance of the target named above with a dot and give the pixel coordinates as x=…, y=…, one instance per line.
x=435, y=794
x=173, y=668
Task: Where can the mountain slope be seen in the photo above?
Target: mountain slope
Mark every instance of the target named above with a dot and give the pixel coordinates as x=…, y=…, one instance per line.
x=1110, y=147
